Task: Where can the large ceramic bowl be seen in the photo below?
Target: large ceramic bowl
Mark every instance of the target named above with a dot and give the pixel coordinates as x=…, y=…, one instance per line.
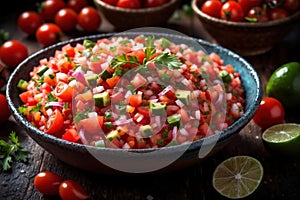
x=139, y=160
x=123, y=18
x=246, y=38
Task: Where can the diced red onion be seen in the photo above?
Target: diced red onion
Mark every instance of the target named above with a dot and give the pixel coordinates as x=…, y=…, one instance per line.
x=122, y=122
x=174, y=132
x=179, y=103
x=92, y=115
x=79, y=76
x=164, y=91
x=54, y=103
x=82, y=136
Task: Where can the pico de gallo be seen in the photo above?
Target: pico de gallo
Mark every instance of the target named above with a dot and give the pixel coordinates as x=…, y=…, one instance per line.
x=132, y=93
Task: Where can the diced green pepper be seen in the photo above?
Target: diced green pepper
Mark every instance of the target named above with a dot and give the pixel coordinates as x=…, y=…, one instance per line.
x=174, y=120
x=112, y=135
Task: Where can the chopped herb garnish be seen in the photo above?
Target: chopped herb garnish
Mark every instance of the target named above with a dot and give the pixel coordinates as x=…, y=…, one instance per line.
x=88, y=44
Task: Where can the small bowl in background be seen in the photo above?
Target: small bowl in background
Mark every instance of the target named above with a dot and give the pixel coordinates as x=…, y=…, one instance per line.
x=123, y=18
x=245, y=38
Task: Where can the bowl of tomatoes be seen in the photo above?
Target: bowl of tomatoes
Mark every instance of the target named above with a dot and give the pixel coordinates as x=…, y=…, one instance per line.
x=124, y=14
x=247, y=27
x=133, y=102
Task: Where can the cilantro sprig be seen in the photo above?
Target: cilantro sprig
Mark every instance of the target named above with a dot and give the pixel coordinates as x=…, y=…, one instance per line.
x=166, y=58
x=12, y=151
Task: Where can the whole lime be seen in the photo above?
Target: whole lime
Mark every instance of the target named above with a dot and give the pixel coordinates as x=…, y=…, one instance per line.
x=284, y=85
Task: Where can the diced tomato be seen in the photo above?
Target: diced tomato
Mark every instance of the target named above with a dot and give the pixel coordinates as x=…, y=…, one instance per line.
x=144, y=110
x=28, y=98
x=135, y=100
x=92, y=125
x=116, y=97
x=69, y=50
x=71, y=135
x=138, y=80
x=112, y=82
x=139, y=54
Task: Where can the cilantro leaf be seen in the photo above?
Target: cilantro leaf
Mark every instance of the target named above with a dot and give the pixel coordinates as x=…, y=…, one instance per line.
x=12, y=151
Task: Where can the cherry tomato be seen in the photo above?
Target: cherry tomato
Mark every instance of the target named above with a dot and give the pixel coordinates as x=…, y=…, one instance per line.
x=47, y=182
x=277, y=13
x=132, y=4
x=232, y=11
x=72, y=190
x=258, y=13
x=55, y=122
x=49, y=8
x=66, y=19
x=5, y=112
x=269, y=113
x=212, y=8
x=12, y=52
x=89, y=19
x=111, y=2
x=248, y=4
x=77, y=5
x=29, y=21
x=155, y=3
x=63, y=91
x=291, y=5
x=48, y=34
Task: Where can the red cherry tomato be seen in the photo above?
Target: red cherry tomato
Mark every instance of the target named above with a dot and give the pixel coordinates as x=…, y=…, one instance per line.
x=248, y=4
x=13, y=52
x=155, y=3
x=47, y=183
x=72, y=190
x=291, y=5
x=48, y=34
x=77, y=5
x=54, y=123
x=232, y=11
x=63, y=91
x=49, y=8
x=89, y=19
x=111, y=2
x=66, y=19
x=212, y=8
x=277, y=13
x=258, y=13
x=5, y=112
x=270, y=112
x=132, y=4
x=29, y=21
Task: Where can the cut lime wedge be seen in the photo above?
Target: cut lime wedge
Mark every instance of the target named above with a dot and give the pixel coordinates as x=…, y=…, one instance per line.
x=237, y=177
x=283, y=139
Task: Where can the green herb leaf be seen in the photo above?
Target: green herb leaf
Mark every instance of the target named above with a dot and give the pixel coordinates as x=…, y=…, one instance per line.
x=167, y=59
x=12, y=151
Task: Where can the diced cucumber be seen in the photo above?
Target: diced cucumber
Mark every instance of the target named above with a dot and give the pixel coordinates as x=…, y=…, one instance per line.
x=22, y=84
x=225, y=76
x=91, y=79
x=157, y=108
x=102, y=99
x=146, y=131
x=42, y=70
x=174, y=120
x=183, y=96
x=112, y=135
x=100, y=143
x=105, y=74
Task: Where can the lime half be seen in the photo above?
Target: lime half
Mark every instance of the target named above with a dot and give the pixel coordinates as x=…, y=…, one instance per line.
x=283, y=139
x=237, y=177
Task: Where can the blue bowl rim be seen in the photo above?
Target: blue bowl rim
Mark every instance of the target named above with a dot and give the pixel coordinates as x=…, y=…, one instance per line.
x=224, y=137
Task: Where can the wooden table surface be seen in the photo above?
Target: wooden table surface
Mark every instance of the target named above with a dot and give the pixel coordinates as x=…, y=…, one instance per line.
x=281, y=175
